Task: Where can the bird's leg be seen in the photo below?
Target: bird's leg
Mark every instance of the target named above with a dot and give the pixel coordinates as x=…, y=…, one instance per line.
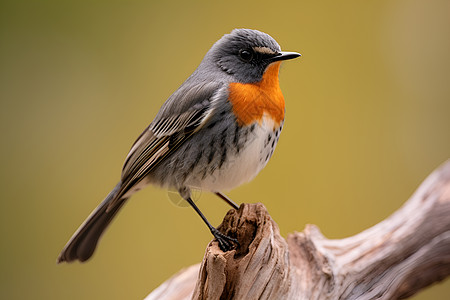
x=227, y=200
x=225, y=242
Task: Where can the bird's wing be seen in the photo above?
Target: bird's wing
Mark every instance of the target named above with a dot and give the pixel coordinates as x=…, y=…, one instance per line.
x=168, y=131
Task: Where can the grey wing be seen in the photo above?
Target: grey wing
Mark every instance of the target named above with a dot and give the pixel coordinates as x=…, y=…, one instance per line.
x=168, y=131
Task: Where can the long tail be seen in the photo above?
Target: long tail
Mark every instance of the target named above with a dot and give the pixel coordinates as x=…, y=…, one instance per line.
x=82, y=244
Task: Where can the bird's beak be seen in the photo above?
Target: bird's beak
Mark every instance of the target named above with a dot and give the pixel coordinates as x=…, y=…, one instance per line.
x=284, y=56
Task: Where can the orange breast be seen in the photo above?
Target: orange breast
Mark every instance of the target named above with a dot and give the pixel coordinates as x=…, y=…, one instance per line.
x=251, y=100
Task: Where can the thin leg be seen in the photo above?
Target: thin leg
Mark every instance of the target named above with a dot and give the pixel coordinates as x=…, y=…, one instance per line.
x=225, y=242
x=227, y=200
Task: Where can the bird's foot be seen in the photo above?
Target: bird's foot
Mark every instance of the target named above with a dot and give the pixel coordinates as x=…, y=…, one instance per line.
x=226, y=243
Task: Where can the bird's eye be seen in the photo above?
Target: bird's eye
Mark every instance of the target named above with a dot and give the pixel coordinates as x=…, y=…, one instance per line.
x=246, y=55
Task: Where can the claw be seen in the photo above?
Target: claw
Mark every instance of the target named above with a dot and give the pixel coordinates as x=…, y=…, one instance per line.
x=225, y=242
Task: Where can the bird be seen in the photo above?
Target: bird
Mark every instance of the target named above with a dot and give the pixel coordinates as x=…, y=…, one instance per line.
x=217, y=131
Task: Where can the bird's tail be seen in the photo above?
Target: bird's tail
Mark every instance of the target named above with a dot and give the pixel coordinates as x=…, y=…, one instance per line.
x=83, y=242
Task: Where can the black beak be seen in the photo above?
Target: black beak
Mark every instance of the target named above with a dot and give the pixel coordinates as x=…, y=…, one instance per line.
x=284, y=56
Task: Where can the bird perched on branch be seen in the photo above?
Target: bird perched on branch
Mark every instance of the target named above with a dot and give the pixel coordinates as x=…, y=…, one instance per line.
x=216, y=132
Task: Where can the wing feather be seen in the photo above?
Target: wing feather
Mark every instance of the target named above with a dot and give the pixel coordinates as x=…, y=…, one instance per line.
x=164, y=135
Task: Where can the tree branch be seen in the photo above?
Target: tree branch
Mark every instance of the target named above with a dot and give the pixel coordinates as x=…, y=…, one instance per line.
x=391, y=260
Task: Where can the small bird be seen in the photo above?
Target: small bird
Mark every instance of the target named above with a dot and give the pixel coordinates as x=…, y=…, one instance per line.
x=216, y=132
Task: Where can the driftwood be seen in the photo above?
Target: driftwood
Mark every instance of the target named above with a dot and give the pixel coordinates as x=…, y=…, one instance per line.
x=391, y=260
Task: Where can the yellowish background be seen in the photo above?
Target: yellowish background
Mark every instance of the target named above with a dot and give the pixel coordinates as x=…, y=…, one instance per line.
x=368, y=110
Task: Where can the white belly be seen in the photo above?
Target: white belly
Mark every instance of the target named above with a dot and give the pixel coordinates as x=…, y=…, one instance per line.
x=245, y=165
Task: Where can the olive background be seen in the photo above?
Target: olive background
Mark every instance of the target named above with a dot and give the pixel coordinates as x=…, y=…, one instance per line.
x=367, y=119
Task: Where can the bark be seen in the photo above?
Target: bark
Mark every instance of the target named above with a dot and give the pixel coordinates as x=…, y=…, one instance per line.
x=391, y=260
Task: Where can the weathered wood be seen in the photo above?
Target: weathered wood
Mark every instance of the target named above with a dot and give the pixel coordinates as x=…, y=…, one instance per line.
x=391, y=260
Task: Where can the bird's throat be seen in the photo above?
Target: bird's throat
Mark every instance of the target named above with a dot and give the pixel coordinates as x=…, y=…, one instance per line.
x=251, y=101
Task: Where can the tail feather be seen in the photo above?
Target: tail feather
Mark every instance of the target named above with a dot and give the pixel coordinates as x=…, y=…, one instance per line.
x=82, y=244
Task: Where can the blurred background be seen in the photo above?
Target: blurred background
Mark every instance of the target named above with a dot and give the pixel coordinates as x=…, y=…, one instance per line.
x=368, y=108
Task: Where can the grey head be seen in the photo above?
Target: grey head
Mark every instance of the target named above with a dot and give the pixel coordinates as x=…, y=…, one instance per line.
x=244, y=54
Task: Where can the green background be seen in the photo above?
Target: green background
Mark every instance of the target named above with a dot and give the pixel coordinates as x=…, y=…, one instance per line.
x=367, y=120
